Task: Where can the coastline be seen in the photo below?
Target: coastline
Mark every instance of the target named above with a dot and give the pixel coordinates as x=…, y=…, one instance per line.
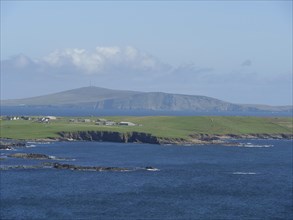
x=143, y=138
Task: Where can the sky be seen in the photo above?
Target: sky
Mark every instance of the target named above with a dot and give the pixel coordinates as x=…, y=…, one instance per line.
x=240, y=52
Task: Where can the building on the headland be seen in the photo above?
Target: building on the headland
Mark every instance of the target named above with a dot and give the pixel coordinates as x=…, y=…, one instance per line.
x=43, y=120
x=11, y=118
x=51, y=117
x=105, y=122
x=126, y=123
x=25, y=118
x=101, y=120
x=110, y=123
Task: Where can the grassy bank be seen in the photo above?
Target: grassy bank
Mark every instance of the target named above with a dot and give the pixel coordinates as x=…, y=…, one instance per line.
x=160, y=126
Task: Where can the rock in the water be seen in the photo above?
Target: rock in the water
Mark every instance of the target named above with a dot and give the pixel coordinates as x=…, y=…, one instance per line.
x=8, y=145
x=30, y=156
x=86, y=168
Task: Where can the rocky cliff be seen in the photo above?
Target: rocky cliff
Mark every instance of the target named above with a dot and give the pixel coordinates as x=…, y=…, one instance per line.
x=139, y=137
x=109, y=136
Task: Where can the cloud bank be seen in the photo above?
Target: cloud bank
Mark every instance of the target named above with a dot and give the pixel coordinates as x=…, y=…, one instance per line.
x=101, y=60
x=131, y=69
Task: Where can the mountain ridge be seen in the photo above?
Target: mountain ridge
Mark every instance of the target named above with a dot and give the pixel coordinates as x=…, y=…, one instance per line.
x=103, y=98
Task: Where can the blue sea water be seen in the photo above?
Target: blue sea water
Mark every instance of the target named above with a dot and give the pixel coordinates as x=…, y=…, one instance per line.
x=66, y=111
x=193, y=182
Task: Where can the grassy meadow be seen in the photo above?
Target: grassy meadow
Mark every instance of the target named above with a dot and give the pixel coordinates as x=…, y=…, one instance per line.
x=160, y=126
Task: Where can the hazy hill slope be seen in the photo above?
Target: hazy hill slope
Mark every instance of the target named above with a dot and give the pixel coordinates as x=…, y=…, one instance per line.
x=101, y=98
x=165, y=101
x=88, y=95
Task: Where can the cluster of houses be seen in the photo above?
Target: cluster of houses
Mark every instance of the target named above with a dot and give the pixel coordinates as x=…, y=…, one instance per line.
x=13, y=118
x=80, y=120
x=105, y=122
x=44, y=119
x=47, y=119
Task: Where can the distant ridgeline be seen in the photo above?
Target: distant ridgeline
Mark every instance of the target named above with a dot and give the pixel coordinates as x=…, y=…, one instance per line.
x=107, y=99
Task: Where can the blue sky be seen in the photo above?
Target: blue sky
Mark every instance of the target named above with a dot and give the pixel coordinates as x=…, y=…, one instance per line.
x=235, y=51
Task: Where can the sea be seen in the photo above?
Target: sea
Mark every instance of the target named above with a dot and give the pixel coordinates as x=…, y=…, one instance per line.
x=79, y=111
x=252, y=180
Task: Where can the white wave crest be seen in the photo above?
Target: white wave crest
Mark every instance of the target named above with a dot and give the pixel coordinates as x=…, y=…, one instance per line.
x=29, y=146
x=152, y=169
x=255, y=145
x=244, y=173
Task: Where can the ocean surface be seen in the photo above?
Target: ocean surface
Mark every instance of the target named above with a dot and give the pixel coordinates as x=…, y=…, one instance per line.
x=62, y=111
x=253, y=181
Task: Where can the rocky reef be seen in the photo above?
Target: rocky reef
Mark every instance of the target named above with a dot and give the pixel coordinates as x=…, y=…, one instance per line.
x=30, y=156
x=11, y=144
x=86, y=168
x=60, y=166
x=63, y=166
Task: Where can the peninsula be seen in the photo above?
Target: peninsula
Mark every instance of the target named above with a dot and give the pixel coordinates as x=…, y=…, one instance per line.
x=97, y=98
x=148, y=129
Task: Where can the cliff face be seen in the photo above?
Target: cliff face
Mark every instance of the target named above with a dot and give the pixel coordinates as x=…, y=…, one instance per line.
x=212, y=137
x=108, y=136
x=170, y=102
x=138, y=137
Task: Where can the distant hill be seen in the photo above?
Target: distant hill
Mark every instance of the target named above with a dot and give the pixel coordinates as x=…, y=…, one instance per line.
x=101, y=98
x=75, y=97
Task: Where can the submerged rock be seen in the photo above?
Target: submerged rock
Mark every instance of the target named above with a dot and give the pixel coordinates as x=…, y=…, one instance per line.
x=10, y=144
x=61, y=166
x=5, y=147
x=86, y=168
x=30, y=156
x=20, y=167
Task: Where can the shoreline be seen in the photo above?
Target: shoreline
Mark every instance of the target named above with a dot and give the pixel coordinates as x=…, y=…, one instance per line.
x=143, y=138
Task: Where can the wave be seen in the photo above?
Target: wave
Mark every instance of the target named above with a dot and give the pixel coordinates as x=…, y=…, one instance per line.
x=152, y=169
x=29, y=146
x=244, y=173
x=38, y=142
x=254, y=145
x=60, y=158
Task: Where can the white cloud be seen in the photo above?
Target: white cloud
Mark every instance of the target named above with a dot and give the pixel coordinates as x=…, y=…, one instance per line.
x=103, y=59
x=132, y=69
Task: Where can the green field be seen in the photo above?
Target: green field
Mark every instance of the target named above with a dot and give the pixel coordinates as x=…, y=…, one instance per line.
x=160, y=126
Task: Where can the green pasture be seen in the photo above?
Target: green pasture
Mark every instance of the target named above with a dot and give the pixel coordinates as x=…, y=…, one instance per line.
x=160, y=126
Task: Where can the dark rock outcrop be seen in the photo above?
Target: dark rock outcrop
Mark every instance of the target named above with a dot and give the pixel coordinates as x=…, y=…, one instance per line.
x=139, y=137
x=30, y=156
x=86, y=168
x=60, y=166
x=9, y=145
x=109, y=136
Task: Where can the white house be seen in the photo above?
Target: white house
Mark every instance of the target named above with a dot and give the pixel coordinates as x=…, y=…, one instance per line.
x=51, y=117
x=127, y=123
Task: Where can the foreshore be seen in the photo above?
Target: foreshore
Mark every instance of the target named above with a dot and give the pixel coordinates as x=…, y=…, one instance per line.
x=138, y=137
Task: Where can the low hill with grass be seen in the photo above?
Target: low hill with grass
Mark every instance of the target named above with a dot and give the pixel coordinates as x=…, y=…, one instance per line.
x=172, y=127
